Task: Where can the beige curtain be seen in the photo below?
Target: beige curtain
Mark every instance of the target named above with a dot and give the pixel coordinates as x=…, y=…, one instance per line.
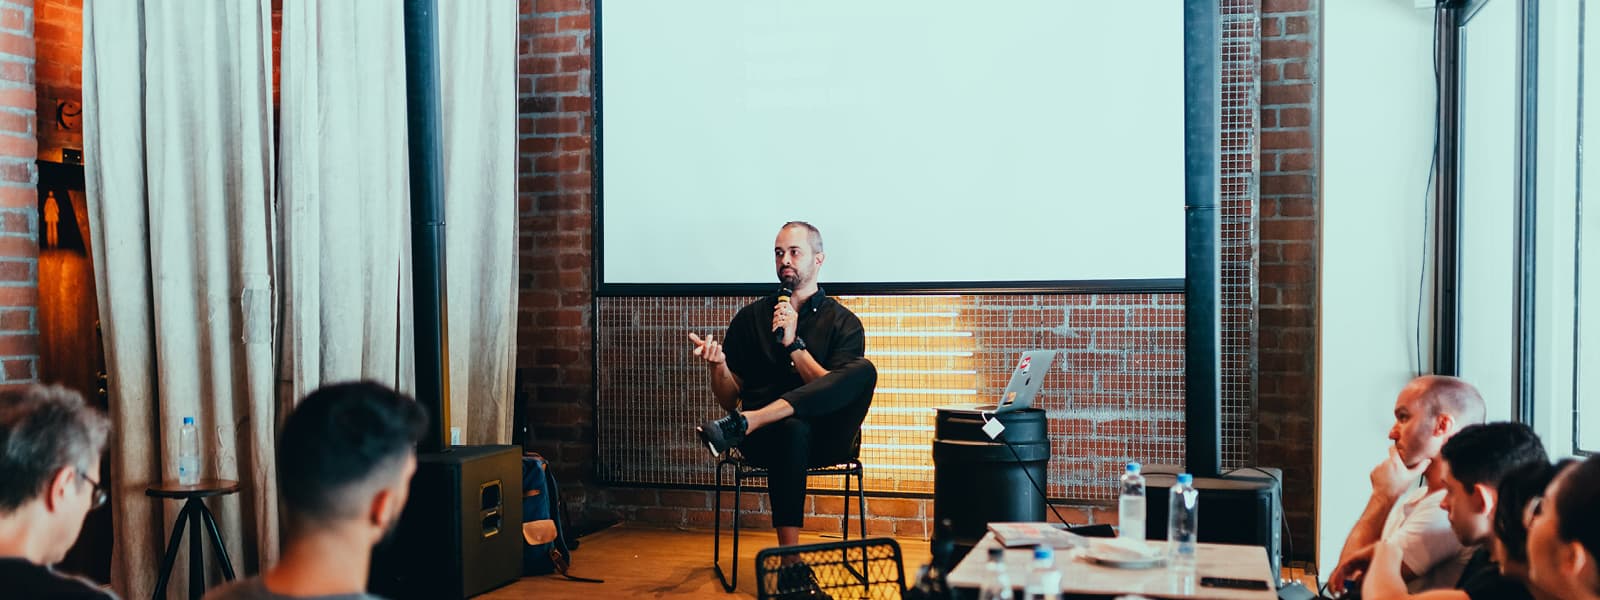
x=178, y=143
x=345, y=191
x=344, y=188
x=478, y=47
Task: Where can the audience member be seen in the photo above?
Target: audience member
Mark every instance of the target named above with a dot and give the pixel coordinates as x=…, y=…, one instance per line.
x=345, y=460
x=50, y=447
x=1513, y=514
x=1427, y=412
x=1564, y=539
x=1474, y=463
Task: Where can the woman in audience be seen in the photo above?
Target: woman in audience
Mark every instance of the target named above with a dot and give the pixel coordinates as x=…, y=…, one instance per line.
x=1564, y=540
x=1518, y=494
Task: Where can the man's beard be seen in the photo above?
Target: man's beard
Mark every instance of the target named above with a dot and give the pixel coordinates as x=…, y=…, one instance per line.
x=792, y=280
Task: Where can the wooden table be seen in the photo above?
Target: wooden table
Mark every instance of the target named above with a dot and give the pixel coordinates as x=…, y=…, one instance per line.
x=1080, y=577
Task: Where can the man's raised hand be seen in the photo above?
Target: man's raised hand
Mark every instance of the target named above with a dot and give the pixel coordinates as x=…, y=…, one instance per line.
x=708, y=349
x=1391, y=478
x=784, y=315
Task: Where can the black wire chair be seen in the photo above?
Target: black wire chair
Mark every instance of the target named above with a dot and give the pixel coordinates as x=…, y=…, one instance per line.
x=862, y=568
x=743, y=470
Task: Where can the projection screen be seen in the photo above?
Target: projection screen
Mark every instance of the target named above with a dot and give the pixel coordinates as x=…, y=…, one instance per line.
x=930, y=142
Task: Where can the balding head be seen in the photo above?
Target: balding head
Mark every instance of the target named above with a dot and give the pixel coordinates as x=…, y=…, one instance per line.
x=1443, y=395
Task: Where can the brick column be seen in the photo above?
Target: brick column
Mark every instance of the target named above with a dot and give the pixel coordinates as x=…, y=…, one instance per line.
x=1290, y=196
x=19, y=250
x=554, y=321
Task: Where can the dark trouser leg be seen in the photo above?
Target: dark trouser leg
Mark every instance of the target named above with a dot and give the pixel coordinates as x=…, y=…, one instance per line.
x=811, y=438
x=782, y=449
x=841, y=388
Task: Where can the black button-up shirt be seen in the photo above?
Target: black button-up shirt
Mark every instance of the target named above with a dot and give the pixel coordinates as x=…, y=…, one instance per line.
x=833, y=335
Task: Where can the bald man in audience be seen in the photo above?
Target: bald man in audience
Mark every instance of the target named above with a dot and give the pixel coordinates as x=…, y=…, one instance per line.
x=1408, y=487
x=1476, y=461
x=50, y=447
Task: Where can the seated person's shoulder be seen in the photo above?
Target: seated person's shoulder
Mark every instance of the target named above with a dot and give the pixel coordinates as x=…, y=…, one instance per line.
x=1481, y=580
x=24, y=579
x=253, y=589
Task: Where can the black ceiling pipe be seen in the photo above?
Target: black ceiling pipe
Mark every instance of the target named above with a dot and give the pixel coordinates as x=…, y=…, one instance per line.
x=1202, y=318
x=424, y=132
x=1447, y=206
x=1524, y=353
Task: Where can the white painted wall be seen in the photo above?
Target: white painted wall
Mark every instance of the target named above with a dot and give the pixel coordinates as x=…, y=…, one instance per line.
x=1557, y=178
x=1378, y=136
x=1489, y=204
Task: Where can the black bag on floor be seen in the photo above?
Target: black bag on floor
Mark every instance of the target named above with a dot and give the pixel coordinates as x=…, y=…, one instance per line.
x=547, y=549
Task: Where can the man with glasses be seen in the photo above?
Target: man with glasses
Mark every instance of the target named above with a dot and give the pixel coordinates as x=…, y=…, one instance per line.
x=50, y=446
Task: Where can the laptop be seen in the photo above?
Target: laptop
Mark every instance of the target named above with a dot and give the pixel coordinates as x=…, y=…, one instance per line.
x=1026, y=379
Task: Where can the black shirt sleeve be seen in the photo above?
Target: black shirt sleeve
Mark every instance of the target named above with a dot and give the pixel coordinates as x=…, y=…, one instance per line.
x=737, y=344
x=849, y=342
x=1481, y=580
x=1496, y=587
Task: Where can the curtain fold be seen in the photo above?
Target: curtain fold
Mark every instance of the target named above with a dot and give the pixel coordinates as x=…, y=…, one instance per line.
x=344, y=189
x=178, y=143
x=478, y=66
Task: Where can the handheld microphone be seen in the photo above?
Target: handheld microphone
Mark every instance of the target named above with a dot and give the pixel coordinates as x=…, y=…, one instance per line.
x=783, y=296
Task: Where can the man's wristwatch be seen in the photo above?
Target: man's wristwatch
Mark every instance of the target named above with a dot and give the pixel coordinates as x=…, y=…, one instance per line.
x=798, y=344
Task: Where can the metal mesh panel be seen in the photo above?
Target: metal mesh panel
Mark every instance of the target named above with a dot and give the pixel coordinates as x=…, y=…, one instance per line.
x=1240, y=108
x=1114, y=394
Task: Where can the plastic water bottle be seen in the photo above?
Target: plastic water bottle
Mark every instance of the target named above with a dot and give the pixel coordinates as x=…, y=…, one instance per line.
x=188, y=453
x=1044, y=582
x=1183, y=521
x=996, y=584
x=1130, y=506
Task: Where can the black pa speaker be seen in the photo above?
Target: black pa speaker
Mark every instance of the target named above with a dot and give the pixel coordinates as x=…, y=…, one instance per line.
x=461, y=532
x=1242, y=508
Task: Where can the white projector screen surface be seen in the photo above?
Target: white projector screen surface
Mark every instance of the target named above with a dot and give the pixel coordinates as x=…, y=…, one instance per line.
x=1011, y=140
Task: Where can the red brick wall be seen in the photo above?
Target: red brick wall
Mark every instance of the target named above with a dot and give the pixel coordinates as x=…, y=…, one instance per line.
x=19, y=251
x=554, y=206
x=1290, y=196
x=59, y=34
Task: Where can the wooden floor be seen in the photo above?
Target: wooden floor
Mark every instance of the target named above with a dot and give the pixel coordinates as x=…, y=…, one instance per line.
x=636, y=562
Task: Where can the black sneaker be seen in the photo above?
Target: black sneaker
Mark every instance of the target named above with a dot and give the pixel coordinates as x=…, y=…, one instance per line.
x=721, y=434
x=796, y=582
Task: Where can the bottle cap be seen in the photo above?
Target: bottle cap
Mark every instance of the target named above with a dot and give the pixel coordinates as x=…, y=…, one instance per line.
x=1185, y=478
x=1133, y=467
x=996, y=553
x=1043, y=552
x=188, y=420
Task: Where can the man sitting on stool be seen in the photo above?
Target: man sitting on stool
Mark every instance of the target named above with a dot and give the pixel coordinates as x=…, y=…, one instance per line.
x=345, y=460
x=50, y=445
x=793, y=377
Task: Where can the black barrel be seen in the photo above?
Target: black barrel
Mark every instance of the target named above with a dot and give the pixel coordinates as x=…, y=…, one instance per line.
x=978, y=480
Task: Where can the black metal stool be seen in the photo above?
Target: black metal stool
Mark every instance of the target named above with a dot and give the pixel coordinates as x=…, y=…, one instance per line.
x=743, y=470
x=195, y=511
